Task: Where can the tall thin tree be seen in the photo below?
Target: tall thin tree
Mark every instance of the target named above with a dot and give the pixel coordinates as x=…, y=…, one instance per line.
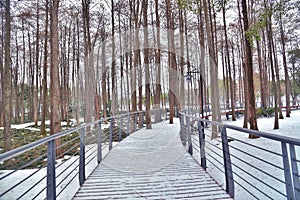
x=45, y=71
x=7, y=80
x=146, y=63
x=54, y=72
x=249, y=72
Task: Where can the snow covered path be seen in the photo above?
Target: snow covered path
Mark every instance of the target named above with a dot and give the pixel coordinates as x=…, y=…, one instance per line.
x=150, y=164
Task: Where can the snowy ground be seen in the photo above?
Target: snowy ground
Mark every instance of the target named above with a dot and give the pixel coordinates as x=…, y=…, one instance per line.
x=34, y=187
x=47, y=122
x=249, y=169
x=288, y=127
x=64, y=191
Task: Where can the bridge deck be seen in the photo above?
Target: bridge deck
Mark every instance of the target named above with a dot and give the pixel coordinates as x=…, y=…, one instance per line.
x=150, y=164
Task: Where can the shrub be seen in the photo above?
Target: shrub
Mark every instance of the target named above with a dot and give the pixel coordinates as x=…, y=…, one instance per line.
x=265, y=112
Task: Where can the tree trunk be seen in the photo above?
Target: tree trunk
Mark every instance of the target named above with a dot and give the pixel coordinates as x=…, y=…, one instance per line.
x=2, y=72
x=261, y=76
x=121, y=58
x=79, y=80
x=275, y=89
x=54, y=72
x=89, y=74
x=249, y=69
x=286, y=74
x=172, y=60
x=45, y=91
x=30, y=93
x=190, y=82
x=265, y=71
x=104, y=71
x=157, y=94
x=35, y=97
x=146, y=62
x=181, y=61
x=16, y=86
x=234, y=77
x=113, y=64
x=202, y=54
x=22, y=106
x=7, y=81
x=229, y=67
x=134, y=67
x=277, y=79
x=213, y=71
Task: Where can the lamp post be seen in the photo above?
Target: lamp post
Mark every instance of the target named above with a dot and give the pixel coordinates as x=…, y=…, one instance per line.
x=189, y=77
x=189, y=80
x=201, y=93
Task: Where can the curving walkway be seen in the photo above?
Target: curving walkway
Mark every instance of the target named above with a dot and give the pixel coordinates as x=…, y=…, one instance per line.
x=150, y=164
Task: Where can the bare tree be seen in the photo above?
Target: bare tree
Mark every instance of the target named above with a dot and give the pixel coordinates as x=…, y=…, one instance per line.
x=54, y=72
x=213, y=69
x=157, y=94
x=37, y=51
x=89, y=75
x=249, y=72
x=45, y=71
x=104, y=69
x=146, y=63
x=228, y=63
x=7, y=80
x=113, y=63
x=1, y=68
x=286, y=75
x=171, y=60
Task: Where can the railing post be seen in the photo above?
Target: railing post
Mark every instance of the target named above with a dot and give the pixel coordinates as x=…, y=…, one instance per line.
x=143, y=115
x=160, y=115
x=166, y=116
x=287, y=172
x=295, y=172
x=99, y=155
x=182, y=130
x=190, y=145
x=82, y=157
x=227, y=164
x=51, y=184
x=121, y=127
x=202, y=144
x=128, y=124
x=135, y=121
x=111, y=133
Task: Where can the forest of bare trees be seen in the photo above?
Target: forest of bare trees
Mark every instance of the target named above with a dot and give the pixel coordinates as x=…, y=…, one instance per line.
x=67, y=59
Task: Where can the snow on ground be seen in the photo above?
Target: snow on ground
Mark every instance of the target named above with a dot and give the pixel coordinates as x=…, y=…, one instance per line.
x=241, y=163
x=47, y=122
x=287, y=127
x=70, y=174
x=249, y=169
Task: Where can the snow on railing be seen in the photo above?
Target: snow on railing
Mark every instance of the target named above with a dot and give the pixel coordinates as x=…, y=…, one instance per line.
x=262, y=168
x=53, y=163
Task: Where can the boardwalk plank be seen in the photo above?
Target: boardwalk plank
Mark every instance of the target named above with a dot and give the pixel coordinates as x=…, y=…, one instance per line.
x=150, y=164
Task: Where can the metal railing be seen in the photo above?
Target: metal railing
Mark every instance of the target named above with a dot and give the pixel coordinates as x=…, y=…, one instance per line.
x=53, y=163
x=264, y=168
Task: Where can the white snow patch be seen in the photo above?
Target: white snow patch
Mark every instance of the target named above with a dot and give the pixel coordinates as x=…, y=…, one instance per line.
x=36, y=175
x=288, y=127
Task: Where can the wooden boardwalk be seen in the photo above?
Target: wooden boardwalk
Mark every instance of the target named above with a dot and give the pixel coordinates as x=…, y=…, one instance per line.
x=150, y=164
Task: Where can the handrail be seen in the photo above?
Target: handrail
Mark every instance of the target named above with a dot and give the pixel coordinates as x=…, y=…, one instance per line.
x=281, y=138
x=241, y=168
x=85, y=146
x=12, y=153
